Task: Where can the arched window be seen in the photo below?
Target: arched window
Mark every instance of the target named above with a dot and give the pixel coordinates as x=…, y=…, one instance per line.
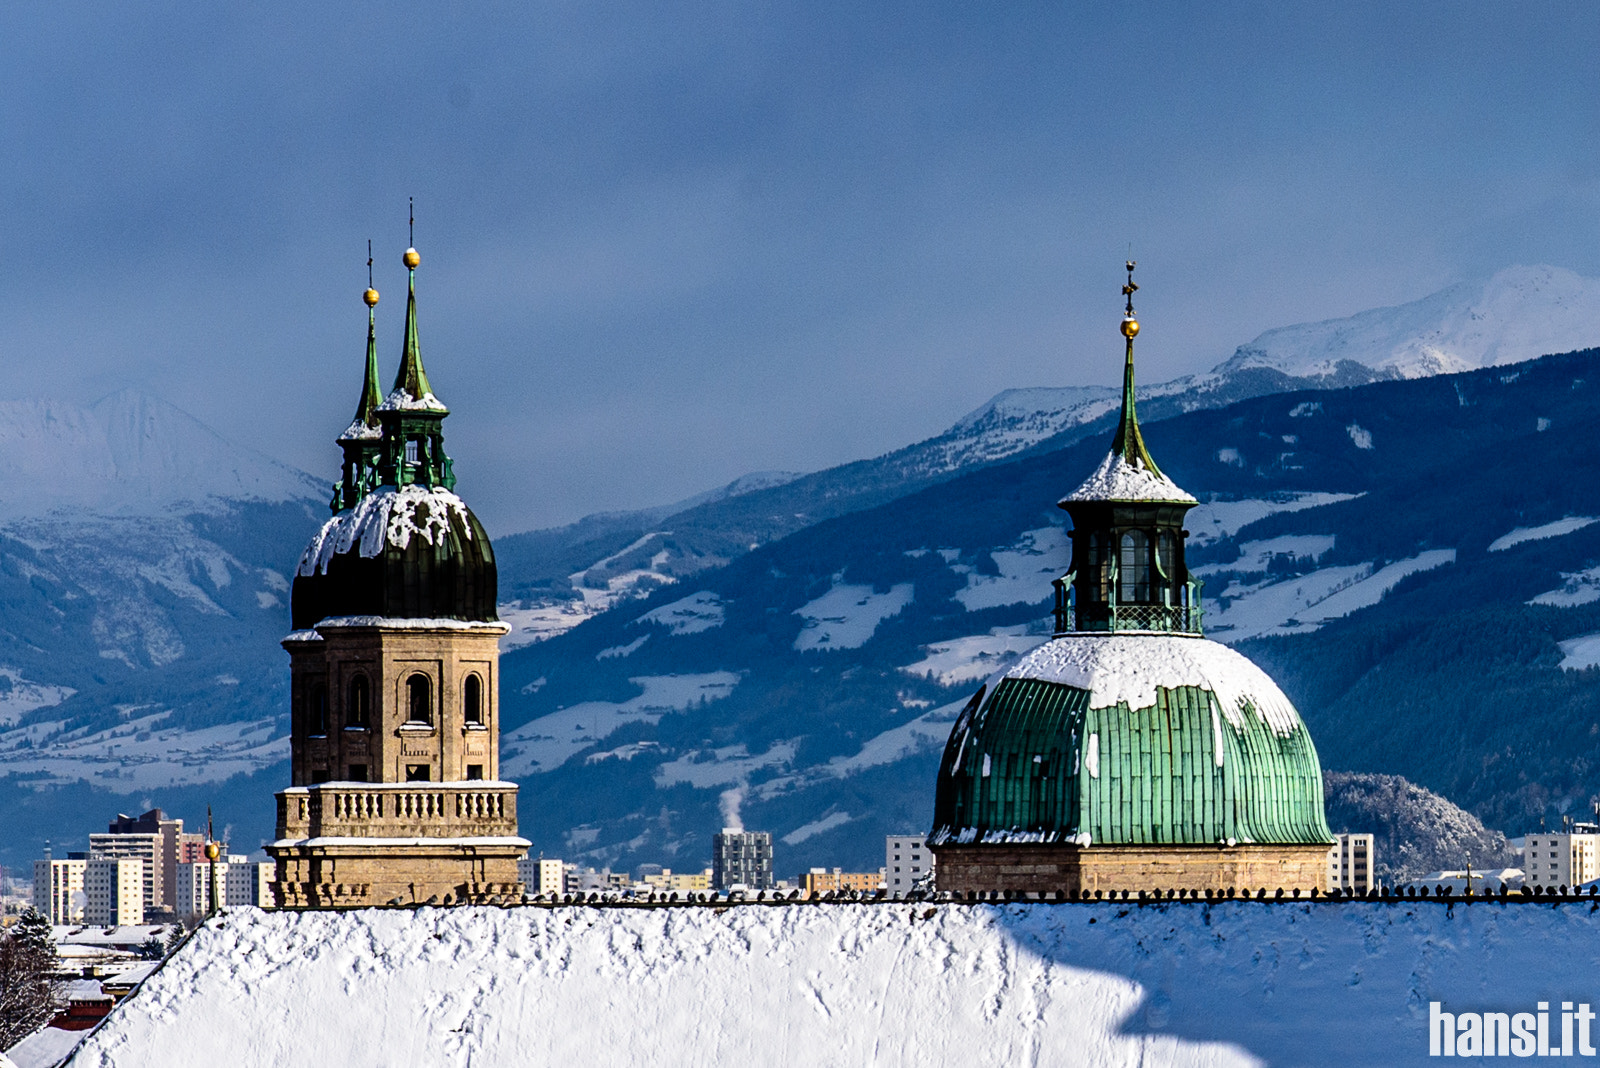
x=1133, y=569
x=472, y=700
x=419, y=700
x=317, y=710
x=359, y=712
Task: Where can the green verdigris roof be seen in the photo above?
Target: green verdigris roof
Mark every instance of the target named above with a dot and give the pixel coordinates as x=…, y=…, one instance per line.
x=1032, y=762
x=411, y=379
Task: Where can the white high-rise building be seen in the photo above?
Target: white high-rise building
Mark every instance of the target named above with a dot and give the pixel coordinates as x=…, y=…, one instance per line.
x=541, y=876
x=1351, y=863
x=245, y=883
x=241, y=883
x=148, y=849
x=1561, y=859
x=58, y=890
x=906, y=860
x=113, y=891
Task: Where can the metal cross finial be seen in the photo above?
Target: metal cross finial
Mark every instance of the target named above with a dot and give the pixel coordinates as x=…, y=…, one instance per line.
x=369, y=263
x=1128, y=289
x=412, y=232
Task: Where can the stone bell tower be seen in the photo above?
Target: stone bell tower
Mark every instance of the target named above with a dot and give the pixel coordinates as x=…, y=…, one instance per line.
x=395, y=673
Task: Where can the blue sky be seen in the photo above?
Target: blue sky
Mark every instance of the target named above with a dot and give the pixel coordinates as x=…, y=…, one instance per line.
x=667, y=244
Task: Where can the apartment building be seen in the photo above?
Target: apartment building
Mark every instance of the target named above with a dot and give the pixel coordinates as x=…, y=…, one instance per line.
x=669, y=881
x=58, y=889
x=822, y=880
x=113, y=892
x=240, y=883
x=906, y=860
x=1351, y=863
x=741, y=858
x=147, y=848
x=1567, y=859
x=541, y=876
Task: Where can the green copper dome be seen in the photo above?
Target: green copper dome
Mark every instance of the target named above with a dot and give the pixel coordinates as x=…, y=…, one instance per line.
x=1130, y=739
x=1129, y=728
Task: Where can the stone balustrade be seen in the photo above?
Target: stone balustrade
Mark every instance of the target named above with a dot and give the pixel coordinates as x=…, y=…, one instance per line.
x=398, y=810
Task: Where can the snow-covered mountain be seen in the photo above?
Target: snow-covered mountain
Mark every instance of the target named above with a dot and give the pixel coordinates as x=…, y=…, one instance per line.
x=129, y=453
x=1514, y=315
x=144, y=563
x=559, y=578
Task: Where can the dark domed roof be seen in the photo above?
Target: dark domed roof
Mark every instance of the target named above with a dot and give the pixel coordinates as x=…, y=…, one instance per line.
x=1130, y=739
x=412, y=553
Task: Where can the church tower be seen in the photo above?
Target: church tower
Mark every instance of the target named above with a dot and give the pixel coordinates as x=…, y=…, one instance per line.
x=394, y=673
x=1129, y=753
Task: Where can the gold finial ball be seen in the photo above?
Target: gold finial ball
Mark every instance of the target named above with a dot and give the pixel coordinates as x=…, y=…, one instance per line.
x=213, y=851
x=1130, y=327
x=371, y=297
x=412, y=258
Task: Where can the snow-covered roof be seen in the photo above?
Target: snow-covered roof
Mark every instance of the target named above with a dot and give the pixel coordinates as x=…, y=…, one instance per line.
x=1117, y=668
x=401, y=401
x=1228, y=984
x=386, y=517
x=134, y=975
x=1120, y=479
x=358, y=430
x=130, y=934
x=45, y=1048
x=397, y=623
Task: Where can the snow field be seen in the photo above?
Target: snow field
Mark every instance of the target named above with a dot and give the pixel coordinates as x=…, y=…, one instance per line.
x=1302, y=604
x=1215, y=520
x=1580, y=652
x=1577, y=588
x=847, y=616
x=548, y=742
x=1240, y=983
x=975, y=657
x=699, y=611
x=1548, y=530
x=1026, y=570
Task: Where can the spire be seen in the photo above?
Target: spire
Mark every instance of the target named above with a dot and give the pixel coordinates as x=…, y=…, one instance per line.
x=366, y=409
x=412, y=379
x=1129, y=443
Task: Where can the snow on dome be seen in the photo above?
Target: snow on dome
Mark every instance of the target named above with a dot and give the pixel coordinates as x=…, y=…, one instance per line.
x=358, y=430
x=401, y=401
x=1118, y=479
x=386, y=517
x=1117, y=668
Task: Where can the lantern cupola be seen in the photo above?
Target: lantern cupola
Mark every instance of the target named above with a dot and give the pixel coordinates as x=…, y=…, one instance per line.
x=1127, y=571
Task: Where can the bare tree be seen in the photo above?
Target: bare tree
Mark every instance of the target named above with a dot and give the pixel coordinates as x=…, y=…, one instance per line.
x=30, y=991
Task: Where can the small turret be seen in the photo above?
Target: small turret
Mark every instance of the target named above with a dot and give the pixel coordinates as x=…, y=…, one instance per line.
x=363, y=438
x=411, y=416
x=1128, y=570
